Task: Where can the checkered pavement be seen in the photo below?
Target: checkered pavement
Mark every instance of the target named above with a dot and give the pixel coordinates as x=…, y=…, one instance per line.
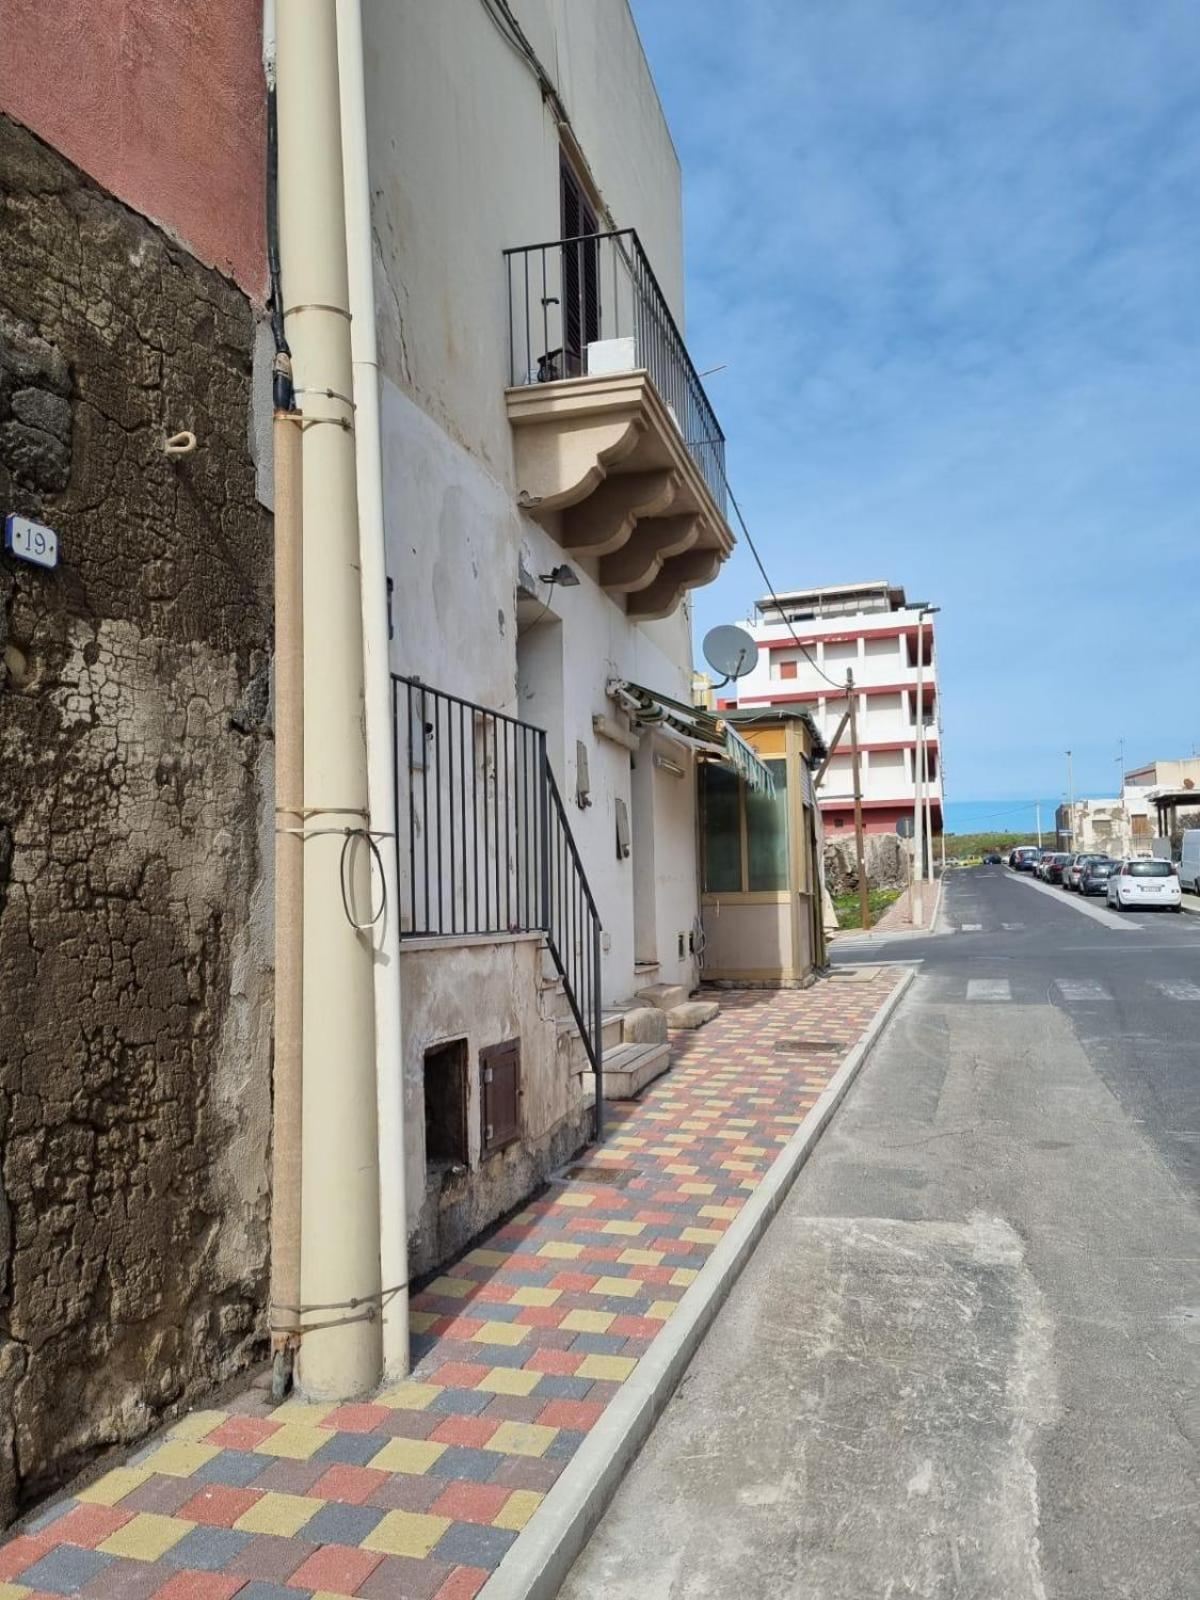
x=418, y=1493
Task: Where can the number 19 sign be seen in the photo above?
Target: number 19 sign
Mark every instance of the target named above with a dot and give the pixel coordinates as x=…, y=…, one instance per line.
x=30, y=541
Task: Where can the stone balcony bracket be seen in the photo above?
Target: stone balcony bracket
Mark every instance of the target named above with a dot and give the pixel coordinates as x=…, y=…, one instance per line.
x=601, y=463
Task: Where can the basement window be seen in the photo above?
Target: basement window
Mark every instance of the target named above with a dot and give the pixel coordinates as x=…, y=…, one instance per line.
x=446, y=1105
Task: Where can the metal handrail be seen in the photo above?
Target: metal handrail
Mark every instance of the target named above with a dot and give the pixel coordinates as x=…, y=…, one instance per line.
x=573, y=933
x=615, y=294
x=483, y=844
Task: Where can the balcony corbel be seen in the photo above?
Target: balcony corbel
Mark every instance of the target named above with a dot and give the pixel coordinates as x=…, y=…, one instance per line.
x=688, y=571
x=639, y=562
x=606, y=519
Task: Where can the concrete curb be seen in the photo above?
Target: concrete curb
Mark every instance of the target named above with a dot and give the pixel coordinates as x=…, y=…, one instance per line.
x=537, y=1565
x=937, y=906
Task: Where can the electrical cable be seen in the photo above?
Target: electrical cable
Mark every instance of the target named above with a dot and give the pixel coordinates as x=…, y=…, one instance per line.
x=758, y=562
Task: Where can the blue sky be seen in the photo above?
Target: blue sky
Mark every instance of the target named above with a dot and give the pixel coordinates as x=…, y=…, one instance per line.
x=950, y=253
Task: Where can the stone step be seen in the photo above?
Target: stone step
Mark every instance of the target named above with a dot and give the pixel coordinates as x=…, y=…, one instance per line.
x=693, y=1013
x=610, y=1029
x=629, y=1068
x=644, y=1025
x=663, y=995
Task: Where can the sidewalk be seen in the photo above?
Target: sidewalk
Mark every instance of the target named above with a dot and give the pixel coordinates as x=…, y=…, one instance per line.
x=898, y=918
x=517, y=1350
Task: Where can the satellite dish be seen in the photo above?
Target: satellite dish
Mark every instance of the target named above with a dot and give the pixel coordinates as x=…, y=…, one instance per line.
x=730, y=651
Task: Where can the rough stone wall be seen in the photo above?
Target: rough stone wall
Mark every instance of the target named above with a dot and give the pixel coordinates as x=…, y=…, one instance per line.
x=886, y=857
x=134, y=788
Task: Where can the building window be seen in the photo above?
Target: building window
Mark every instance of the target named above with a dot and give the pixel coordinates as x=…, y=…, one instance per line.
x=744, y=831
x=787, y=669
x=446, y=1105
x=500, y=1099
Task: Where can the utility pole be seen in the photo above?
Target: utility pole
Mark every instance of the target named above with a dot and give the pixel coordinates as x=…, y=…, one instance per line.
x=1038, y=806
x=864, y=897
x=919, y=822
x=1070, y=800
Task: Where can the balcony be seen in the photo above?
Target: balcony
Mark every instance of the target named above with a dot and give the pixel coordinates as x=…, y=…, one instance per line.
x=618, y=452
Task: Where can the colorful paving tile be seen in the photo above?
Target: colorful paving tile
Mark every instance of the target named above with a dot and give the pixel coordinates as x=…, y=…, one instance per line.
x=517, y=1349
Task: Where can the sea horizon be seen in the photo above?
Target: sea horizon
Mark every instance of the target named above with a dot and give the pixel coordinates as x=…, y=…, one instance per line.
x=1000, y=816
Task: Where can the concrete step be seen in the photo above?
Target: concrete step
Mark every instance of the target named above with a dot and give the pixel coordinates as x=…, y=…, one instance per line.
x=693, y=1013
x=629, y=1068
x=610, y=1029
x=663, y=995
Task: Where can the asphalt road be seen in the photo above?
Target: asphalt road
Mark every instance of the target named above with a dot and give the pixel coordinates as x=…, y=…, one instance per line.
x=965, y=1361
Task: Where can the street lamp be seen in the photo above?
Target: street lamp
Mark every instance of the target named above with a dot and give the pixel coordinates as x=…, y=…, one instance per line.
x=919, y=774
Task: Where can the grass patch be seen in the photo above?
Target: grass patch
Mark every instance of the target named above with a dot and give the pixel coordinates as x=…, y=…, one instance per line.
x=849, y=914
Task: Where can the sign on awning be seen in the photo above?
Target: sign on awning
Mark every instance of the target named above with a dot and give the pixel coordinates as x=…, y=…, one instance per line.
x=711, y=736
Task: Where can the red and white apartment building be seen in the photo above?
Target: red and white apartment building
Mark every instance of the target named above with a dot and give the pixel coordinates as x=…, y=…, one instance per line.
x=872, y=630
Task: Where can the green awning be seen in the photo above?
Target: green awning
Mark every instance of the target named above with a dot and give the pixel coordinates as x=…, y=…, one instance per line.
x=711, y=736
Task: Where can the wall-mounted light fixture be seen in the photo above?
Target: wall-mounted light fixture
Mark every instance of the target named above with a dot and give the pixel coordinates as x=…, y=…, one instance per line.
x=563, y=575
x=665, y=764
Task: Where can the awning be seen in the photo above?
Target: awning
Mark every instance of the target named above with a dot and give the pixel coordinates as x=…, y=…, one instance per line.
x=711, y=736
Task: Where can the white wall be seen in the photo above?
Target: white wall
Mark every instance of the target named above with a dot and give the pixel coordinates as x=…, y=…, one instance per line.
x=464, y=162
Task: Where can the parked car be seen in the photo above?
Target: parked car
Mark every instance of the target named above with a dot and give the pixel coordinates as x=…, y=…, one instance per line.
x=1024, y=857
x=1056, y=865
x=1189, y=860
x=1095, y=875
x=1076, y=865
x=1145, y=883
x=992, y=860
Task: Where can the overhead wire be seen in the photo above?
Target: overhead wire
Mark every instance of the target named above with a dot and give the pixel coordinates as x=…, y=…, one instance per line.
x=837, y=684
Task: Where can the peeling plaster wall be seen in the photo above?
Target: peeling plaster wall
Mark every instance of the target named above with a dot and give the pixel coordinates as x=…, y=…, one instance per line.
x=135, y=793
x=486, y=992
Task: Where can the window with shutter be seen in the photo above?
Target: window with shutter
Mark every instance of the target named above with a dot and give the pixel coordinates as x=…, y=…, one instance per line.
x=580, y=273
x=500, y=1099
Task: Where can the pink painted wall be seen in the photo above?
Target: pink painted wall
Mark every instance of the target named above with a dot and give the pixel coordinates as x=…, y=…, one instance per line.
x=163, y=102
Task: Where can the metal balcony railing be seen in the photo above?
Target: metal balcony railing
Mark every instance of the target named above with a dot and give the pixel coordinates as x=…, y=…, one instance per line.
x=484, y=844
x=578, y=306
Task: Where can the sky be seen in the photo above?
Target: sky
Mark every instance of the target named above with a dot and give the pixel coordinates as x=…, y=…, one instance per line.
x=949, y=251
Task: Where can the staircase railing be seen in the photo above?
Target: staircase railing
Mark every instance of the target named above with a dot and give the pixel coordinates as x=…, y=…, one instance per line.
x=572, y=926
x=484, y=845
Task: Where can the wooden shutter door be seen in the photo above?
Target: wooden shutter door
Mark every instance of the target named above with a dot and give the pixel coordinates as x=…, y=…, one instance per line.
x=500, y=1075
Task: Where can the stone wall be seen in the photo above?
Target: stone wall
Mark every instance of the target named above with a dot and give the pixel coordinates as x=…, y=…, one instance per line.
x=135, y=793
x=886, y=857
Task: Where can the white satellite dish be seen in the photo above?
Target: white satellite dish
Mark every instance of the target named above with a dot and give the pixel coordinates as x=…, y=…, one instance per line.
x=730, y=651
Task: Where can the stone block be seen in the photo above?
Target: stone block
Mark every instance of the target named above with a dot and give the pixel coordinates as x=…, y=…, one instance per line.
x=646, y=1025
x=663, y=995
x=692, y=1014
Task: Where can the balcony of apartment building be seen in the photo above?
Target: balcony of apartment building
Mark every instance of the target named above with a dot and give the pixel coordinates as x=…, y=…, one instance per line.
x=618, y=452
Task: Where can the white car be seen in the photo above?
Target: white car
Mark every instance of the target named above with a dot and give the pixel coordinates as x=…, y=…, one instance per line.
x=1145, y=883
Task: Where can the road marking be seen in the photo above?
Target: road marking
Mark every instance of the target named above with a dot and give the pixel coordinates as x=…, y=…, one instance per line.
x=1012, y=927
x=988, y=989
x=971, y=927
x=1081, y=990
x=1176, y=988
x=1110, y=919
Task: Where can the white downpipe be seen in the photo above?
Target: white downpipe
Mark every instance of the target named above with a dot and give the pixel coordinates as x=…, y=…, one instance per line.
x=389, y=1061
x=339, y=1258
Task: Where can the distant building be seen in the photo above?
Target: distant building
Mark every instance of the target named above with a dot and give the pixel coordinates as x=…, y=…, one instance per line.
x=871, y=630
x=1182, y=774
x=1117, y=827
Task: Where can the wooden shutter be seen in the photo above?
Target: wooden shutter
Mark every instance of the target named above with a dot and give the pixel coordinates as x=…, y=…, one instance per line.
x=500, y=1079
x=580, y=273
